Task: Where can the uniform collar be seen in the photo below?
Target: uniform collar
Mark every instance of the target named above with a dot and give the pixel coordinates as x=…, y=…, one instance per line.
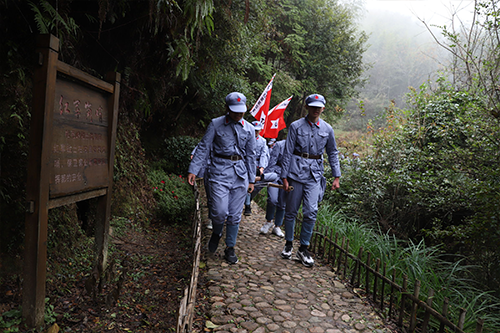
x=311, y=124
x=228, y=120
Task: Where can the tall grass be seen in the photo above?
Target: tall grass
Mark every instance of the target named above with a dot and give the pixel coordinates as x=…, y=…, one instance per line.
x=419, y=262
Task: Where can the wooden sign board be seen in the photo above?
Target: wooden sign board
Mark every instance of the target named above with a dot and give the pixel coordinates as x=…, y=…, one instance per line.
x=72, y=140
x=79, y=148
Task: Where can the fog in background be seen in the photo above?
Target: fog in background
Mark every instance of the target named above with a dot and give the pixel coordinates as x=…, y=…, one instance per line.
x=402, y=52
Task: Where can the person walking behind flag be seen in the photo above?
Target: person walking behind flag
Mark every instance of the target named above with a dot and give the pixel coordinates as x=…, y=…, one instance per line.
x=303, y=169
x=231, y=173
x=261, y=160
x=275, y=208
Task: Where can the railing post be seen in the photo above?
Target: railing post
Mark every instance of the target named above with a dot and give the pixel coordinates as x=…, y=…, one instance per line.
x=445, y=313
x=427, y=315
x=391, y=299
x=413, y=314
x=479, y=326
x=375, y=281
x=340, y=255
x=403, y=298
x=383, y=288
x=367, y=273
x=346, y=258
x=335, y=249
x=330, y=245
x=461, y=318
x=356, y=267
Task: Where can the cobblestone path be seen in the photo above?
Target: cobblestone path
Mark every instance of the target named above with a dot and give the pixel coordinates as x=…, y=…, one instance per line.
x=265, y=293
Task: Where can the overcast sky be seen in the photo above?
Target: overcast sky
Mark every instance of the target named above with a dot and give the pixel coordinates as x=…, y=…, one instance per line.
x=432, y=11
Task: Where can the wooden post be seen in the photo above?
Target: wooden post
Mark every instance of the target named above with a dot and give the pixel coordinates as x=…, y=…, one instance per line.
x=37, y=185
x=356, y=267
x=403, y=298
x=427, y=316
x=104, y=202
x=330, y=244
x=391, y=299
x=461, y=318
x=340, y=255
x=360, y=258
x=375, y=280
x=367, y=272
x=445, y=314
x=346, y=259
x=383, y=288
x=479, y=326
x=335, y=248
x=413, y=314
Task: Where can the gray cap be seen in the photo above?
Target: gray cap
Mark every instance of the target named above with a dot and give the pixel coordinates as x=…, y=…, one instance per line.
x=315, y=100
x=257, y=125
x=236, y=102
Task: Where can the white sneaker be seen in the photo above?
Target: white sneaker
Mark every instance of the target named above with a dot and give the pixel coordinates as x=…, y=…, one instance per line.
x=265, y=228
x=277, y=231
x=209, y=225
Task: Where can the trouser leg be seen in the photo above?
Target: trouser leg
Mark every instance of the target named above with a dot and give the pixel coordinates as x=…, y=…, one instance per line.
x=311, y=194
x=237, y=197
x=294, y=199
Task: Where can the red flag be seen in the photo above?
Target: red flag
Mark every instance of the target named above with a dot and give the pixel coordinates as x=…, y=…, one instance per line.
x=261, y=107
x=274, y=120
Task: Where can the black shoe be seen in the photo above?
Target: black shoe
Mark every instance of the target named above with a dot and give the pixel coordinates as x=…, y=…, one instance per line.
x=305, y=257
x=213, y=243
x=230, y=256
x=248, y=210
x=287, y=251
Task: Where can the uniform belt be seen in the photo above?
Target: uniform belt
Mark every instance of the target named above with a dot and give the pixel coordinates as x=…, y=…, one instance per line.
x=307, y=155
x=229, y=157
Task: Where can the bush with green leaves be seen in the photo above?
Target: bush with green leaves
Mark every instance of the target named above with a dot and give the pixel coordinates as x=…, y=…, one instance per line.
x=175, y=154
x=174, y=196
x=434, y=175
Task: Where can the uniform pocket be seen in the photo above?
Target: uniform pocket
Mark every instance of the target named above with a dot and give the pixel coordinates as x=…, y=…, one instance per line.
x=322, y=140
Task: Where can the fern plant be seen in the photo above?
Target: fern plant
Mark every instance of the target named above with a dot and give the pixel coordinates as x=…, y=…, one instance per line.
x=48, y=20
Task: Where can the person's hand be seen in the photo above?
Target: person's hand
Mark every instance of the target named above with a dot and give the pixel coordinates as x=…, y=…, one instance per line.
x=261, y=169
x=336, y=183
x=285, y=185
x=191, y=178
x=250, y=188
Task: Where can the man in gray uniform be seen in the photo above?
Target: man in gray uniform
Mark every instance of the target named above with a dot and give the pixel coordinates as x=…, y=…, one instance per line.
x=303, y=168
x=231, y=173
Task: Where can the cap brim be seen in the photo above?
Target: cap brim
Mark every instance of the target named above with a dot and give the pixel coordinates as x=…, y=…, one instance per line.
x=316, y=104
x=238, y=108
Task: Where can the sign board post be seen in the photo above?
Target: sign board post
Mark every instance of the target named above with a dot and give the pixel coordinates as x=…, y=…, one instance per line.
x=72, y=140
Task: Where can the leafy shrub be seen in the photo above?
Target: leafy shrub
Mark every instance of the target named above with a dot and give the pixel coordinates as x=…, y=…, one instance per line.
x=173, y=194
x=175, y=154
x=434, y=175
